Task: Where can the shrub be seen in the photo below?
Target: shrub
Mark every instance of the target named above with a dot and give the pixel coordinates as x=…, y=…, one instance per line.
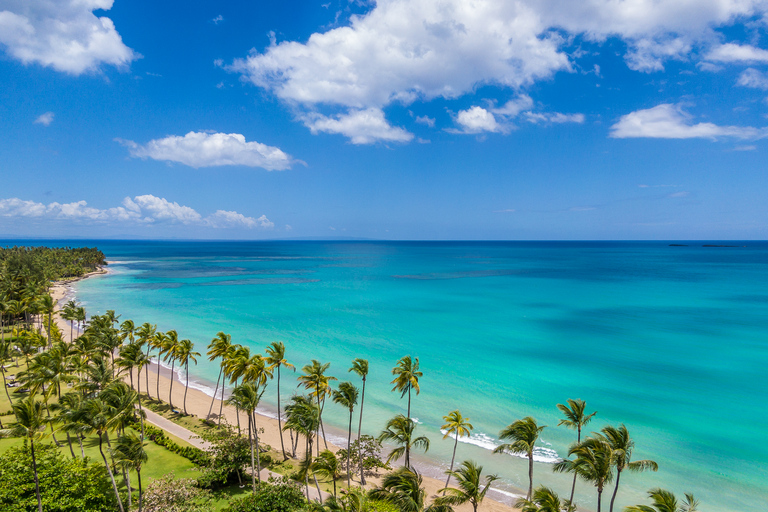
x=168, y=494
x=195, y=455
x=275, y=496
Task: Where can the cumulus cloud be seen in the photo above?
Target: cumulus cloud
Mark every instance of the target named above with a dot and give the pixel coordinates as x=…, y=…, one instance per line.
x=144, y=209
x=426, y=120
x=65, y=35
x=402, y=51
x=361, y=126
x=477, y=120
x=731, y=52
x=45, y=119
x=751, y=77
x=667, y=121
x=202, y=149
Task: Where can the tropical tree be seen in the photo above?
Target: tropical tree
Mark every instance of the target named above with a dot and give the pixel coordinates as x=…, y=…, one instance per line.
x=400, y=431
x=402, y=488
x=275, y=359
x=130, y=454
x=469, y=477
x=184, y=354
x=145, y=334
x=69, y=312
x=346, y=396
x=622, y=445
x=6, y=351
x=575, y=418
x=407, y=376
x=170, y=353
x=593, y=463
x=157, y=341
x=30, y=423
x=665, y=501
x=456, y=426
x=544, y=500
x=217, y=349
x=326, y=464
x=315, y=380
x=246, y=398
x=360, y=367
x=48, y=307
x=523, y=433
x=303, y=417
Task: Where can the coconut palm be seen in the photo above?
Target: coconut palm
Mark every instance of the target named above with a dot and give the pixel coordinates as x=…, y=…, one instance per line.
x=145, y=334
x=665, y=501
x=456, y=426
x=6, y=351
x=326, y=464
x=184, y=354
x=544, y=500
x=469, y=478
x=314, y=379
x=169, y=353
x=593, y=462
x=402, y=488
x=360, y=367
x=48, y=307
x=217, y=349
x=67, y=408
x=346, y=396
x=30, y=423
x=575, y=418
x=275, y=359
x=157, y=341
x=622, y=446
x=523, y=433
x=129, y=452
x=407, y=377
x=80, y=317
x=400, y=431
x=246, y=397
x=69, y=312
x=303, y=416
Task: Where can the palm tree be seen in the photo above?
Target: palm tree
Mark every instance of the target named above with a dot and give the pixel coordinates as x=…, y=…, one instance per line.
x=217, y=349
x=157, y=341
x=665, y=501
x=246, y=397
x=360, y=367
x=407, y=376
x=30, y=423
x=399, y=430
x=593, y=463
x=402, y=488
x=326, y=464
x=303, y=416
x=468, y=478
x=6, y=349
x=68, y=408
x=80, y=316
x=170, y=348
x=622, y=446
x=544, y=500
x=346, y=396
x=523, y=434
x=145, y=333
x=314, y=379
x=456, y=426
x=185, y=354
x=69, y=312
x=275, y=359
x=48, y=307
x=575, y=418
x=129, y=452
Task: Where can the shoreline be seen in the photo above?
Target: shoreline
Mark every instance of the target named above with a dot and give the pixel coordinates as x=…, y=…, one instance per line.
x=198, y=403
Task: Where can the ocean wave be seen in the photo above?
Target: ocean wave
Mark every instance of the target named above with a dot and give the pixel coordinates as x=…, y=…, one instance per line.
x=540, y=453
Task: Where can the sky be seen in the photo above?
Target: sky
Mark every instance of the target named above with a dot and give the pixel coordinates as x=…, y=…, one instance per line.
x=419, y=119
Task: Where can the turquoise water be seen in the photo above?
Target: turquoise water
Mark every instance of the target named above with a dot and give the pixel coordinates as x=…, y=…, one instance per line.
x=671, y=341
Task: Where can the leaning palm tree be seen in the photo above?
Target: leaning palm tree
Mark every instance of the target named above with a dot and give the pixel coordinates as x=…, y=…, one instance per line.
x=360, y=367
x=346, y=396
x=593, y=463
x=129, y=452
x=184, y=354
x=30, y=423
x=665, y=501
x=523, y=433
x=275, y=359
x=246, y=397
x=468, y=477
x=622, y=445
x=456, y=426
x=544, y=500
x=314, y=379
x=407, y=376
x=575, y=418
x=400, y=431
x=217, y=349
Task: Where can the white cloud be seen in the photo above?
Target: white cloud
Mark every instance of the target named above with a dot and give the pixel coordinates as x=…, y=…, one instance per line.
x=45, y=119
x=553, y=117
x=218, y=19
x=361, y=126
x=477, y=120
x=144, y=209
x=62, y=34
x=731, y=52
x=751, y=77
x=515, y=106
x=667, y=121
x=429, y=121
x=201, y=149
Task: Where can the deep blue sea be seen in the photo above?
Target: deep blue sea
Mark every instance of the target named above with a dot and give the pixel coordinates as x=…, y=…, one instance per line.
x=671, y=341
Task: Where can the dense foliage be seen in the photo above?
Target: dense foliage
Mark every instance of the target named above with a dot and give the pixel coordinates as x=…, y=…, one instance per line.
x=282, y=496
x=66, y=485
x=195, y=455
x=49, y=263
x=169, y=494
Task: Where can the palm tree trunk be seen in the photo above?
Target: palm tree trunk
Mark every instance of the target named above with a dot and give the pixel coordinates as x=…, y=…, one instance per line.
x=279, y=415
x=5, y=385
x=409, y=402
x=170, y=392
x=359, y=431
x=599, y=498
x=573, y=486
x=186, y=370
x=615, y=490
x=37, y=482
x=453, y=459
x=349, y=446
x=141, y=410
x=127, y=480
x=407, y=455
x=530, y=474
x=109, y=470
x=146, y=374
x=80, y=440
x=138, y=475
x=306, y=474
x=158, y=379
x=221, y=402
x=253, y=465
x=213, y=397
x=258, y=451
x=71, y=450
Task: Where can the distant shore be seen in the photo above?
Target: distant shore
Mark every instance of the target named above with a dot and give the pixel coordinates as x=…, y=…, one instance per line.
x=198, y=404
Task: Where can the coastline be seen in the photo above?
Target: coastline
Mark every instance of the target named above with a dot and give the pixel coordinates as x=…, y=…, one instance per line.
x=198, y=403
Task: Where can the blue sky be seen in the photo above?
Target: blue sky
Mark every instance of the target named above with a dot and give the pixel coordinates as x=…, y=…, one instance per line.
x=421, y=119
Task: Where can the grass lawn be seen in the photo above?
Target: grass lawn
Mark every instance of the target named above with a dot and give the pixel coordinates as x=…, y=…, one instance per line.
x=190, y=422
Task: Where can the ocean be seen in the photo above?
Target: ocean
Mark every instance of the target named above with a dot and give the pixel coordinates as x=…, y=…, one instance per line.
x=670, y=340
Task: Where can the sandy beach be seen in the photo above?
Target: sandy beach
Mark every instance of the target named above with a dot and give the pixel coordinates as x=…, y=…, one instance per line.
x=199, y=403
